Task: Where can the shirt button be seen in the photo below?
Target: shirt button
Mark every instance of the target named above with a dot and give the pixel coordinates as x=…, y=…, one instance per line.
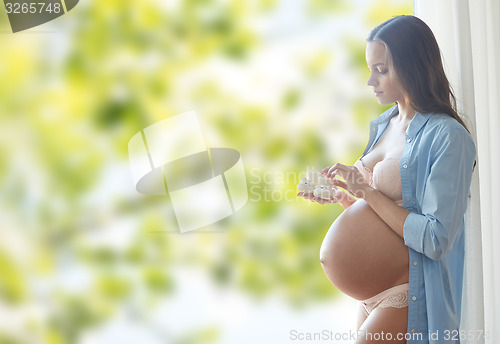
x=409, y=140
x=414, y=262
x=407, y=199
x=414, y=298
x=405, y=166
x=412, y=330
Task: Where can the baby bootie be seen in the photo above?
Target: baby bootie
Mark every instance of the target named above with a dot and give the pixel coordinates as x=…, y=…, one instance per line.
x=308, y=184
x=325, y=189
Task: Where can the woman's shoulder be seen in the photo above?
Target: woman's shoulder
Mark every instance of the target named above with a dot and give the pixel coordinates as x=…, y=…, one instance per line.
x=443, y=130
x=444, y=124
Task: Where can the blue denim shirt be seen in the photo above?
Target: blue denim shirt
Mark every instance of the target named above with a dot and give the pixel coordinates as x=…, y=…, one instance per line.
x=436, y=170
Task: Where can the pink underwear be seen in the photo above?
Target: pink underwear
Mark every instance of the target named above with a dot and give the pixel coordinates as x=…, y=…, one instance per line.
x=395, y=297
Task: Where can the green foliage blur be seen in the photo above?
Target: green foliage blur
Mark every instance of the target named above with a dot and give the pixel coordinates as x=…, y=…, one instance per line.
x=78, y=243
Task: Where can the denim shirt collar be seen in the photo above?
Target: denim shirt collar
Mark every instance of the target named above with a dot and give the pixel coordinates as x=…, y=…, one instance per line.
x=377, y=127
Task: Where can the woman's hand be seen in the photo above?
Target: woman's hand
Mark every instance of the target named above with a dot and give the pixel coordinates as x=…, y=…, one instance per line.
x=354, y=182
x=342, y=198
x=312, y=198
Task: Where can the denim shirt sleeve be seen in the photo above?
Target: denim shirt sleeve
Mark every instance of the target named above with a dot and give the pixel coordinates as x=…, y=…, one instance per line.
x=443, y=199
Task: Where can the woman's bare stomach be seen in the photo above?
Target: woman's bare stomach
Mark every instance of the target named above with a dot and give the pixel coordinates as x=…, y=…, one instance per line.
x=361, y=255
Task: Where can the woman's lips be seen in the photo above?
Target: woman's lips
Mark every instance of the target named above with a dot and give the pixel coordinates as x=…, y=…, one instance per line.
x=377, y=93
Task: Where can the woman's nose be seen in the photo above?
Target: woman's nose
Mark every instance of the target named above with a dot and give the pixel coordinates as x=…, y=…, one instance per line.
x=371, y=80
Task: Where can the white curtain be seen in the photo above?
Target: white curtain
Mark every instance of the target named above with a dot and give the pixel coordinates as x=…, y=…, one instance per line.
x=468, y=32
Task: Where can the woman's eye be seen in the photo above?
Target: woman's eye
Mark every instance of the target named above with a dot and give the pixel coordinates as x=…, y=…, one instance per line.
x=382, y=71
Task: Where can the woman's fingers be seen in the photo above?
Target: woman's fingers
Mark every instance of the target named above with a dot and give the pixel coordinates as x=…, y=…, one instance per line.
x=325, y=170
x=324, y=201
x=308, y=196
x=340, y=183
x=312, y=198
x=337, y=169
x=304, y=195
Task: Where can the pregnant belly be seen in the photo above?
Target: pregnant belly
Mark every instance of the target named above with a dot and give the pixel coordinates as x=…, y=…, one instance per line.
x=361, y=255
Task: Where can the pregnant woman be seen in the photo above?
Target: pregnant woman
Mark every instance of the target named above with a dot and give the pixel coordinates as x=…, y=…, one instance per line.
x=398, y=247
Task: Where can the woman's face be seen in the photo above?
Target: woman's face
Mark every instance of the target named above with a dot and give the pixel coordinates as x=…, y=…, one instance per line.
x=386, y=90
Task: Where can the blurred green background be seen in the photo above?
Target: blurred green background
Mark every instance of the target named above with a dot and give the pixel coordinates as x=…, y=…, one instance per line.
x=282, y=82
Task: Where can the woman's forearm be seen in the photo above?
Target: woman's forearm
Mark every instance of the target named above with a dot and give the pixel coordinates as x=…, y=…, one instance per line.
x=391, y=213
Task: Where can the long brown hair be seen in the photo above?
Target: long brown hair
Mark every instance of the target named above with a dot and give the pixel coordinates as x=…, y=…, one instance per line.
x=415, y=57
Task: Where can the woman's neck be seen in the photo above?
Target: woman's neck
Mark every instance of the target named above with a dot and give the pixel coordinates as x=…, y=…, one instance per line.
x=406, y=111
